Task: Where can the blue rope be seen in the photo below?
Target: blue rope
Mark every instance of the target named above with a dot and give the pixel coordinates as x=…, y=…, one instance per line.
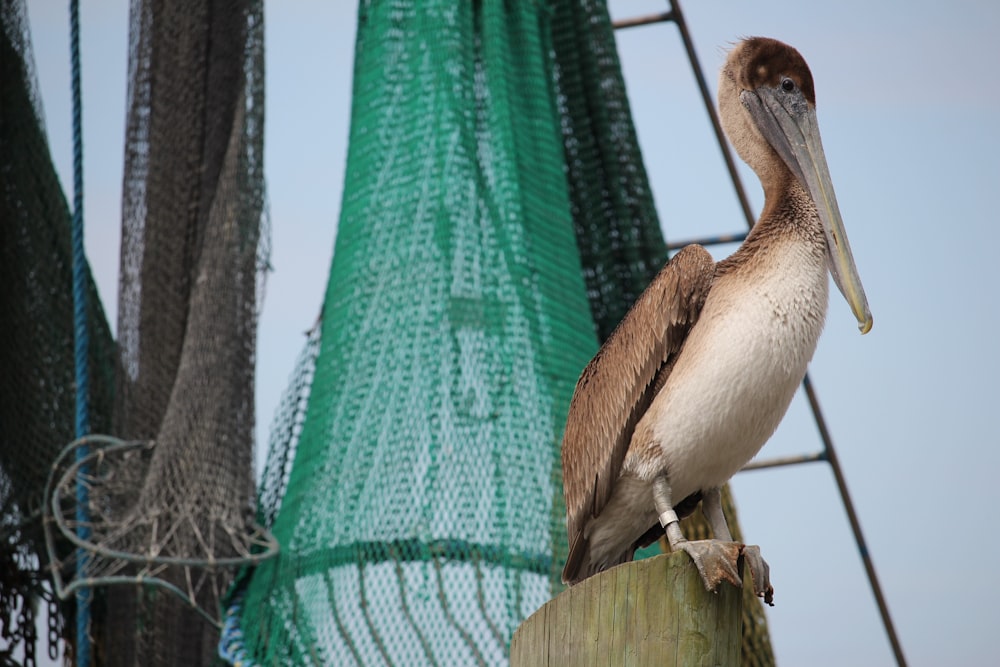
x=232, y=648
x=81, y=341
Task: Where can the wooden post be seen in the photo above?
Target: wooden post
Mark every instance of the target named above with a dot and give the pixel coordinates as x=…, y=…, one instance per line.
x=648, y=612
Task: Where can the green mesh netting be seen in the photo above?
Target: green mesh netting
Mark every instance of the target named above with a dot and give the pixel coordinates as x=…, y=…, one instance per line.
x=37, y=387
x=422, y=511
x=496, y=213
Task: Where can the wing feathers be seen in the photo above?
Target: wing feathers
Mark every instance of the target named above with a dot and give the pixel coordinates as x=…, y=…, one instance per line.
x=617, y=386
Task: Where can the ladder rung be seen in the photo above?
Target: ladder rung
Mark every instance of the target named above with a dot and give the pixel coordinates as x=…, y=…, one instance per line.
x=779, y=461
x=709, y=240
x=636, y=21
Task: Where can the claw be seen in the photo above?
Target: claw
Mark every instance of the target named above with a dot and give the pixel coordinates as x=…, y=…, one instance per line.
x=718, y=561
x=760, y=573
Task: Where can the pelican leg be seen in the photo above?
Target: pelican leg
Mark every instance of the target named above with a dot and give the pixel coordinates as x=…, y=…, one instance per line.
x=711, y=505
x=716, y=560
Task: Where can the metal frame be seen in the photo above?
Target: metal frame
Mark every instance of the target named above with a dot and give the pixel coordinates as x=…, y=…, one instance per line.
x=827, y=453
x=88, y=453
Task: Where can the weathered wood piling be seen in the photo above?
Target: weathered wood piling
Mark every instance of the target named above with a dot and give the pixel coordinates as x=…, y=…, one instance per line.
x=648, y=612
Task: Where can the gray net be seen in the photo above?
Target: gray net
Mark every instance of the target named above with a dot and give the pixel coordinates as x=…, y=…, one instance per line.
x=171, y=503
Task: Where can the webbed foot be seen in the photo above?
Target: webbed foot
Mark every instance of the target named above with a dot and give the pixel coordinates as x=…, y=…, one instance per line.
x=718, y=561
x=715, y=560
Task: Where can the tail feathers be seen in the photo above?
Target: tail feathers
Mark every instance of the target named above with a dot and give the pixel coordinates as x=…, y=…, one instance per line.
x=580, y=563
x=613, y=537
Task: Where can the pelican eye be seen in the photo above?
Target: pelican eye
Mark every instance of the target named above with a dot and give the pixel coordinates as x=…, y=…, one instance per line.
x=787, y=85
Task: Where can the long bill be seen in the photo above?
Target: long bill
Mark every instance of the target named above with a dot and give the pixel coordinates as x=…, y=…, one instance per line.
x=789, y=124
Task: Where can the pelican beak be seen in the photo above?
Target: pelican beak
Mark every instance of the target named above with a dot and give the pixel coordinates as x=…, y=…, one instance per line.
x=788, y=122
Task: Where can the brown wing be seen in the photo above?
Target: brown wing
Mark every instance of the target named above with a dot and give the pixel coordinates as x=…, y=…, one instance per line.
x=616, y=387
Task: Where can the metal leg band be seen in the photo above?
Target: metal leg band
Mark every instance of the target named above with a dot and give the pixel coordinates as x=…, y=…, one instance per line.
x=668, y=517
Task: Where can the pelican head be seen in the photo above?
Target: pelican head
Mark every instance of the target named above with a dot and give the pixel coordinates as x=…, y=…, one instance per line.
x=767, y=105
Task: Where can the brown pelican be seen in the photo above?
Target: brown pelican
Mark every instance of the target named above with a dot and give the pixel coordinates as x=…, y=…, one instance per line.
x=701, y=370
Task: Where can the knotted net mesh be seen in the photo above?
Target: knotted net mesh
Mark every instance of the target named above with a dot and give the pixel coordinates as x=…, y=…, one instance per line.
x=171, y=499
x=192, y=254
x=423, y=508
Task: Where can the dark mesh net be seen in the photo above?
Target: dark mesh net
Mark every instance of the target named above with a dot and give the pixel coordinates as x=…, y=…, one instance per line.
x=617, y=229
x=191, y=230
x=37, y=388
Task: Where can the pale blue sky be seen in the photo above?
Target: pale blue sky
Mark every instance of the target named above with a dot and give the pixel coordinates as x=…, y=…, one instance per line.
x=908, y=102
